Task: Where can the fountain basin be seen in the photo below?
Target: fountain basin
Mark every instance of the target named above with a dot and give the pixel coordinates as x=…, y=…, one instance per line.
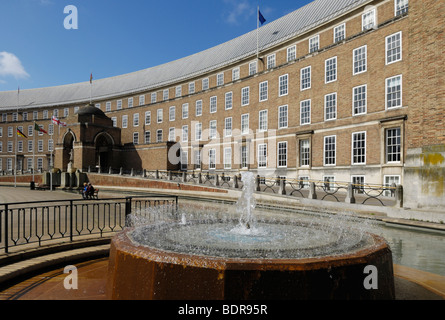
x=139, y=271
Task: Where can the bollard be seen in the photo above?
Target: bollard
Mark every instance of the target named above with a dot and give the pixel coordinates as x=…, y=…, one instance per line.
x=399, y=196
x=350, y=196
x=282, y=188
x=235, y=182
x=312, y=193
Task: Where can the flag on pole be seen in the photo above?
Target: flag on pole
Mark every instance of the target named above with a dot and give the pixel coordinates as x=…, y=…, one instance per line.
x=55, y=120
x=91, y=78
x=37, y=128
x=20, y=133
x=261, y=17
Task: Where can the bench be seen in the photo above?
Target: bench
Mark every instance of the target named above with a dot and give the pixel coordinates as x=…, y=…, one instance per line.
x=95, y=194
x=43, y=187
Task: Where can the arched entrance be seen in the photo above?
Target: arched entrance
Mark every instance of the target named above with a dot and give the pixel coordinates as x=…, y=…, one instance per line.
x=104, y=150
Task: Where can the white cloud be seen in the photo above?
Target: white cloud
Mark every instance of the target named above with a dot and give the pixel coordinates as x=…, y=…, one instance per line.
x=239, y=11
x=10, y=65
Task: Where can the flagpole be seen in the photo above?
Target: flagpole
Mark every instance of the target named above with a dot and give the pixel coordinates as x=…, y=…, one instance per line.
x=16, y=140
x=257, y=32
x=34, y=151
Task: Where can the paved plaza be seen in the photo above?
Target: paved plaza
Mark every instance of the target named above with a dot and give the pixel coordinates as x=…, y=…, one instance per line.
x=410, y=283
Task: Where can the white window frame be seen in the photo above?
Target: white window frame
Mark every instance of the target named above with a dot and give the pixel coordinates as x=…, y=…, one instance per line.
x=339, y=33
x=227, y=158
x=282, y=157
x=212, y=159
x=369, y=19
x=245, y=96
x=291, y=53
x=330, y=67
x=263, y=91
x=262, y=120
x=330, y=110
x=355, y=102
x=283, y=116
x=358, y=152
x=360, y=60
x=283, y=85
x=397, y=59
x=400, y=7
x=305, y=112
x=314, y=44
x=334, y=157
x=305, y=78
x=271, y=61
x=198, y=108
x=159, y=115
x=386, y=92
x=213, y=104
x=228, y=102
x=172, y=113
x=185, y=111
x=262, y=155
x=136, y=120
x=245, y=123
x=228, y=125
x=124, y=121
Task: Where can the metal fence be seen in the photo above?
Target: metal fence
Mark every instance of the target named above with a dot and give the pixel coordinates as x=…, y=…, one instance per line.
x=36, y=223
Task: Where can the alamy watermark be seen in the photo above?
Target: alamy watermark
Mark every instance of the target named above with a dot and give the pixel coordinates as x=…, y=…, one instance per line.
x=71, y=21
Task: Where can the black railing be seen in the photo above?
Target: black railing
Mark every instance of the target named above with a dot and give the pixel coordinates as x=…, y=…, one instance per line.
x=35, y=223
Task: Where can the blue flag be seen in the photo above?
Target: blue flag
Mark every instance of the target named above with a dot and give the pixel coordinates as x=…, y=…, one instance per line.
x=260, y=16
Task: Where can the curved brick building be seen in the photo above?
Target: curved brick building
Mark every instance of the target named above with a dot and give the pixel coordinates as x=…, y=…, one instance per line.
x=344, y=90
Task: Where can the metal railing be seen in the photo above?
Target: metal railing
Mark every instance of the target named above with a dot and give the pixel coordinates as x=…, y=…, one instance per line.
x=39, y=222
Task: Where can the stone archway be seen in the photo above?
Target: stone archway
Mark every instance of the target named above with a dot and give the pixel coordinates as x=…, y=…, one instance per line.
x=103, y=144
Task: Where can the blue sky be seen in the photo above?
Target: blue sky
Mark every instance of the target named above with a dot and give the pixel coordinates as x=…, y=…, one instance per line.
x=115, y=36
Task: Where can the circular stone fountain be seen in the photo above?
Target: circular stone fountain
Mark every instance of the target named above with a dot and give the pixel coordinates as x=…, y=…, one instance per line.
x=248, y=259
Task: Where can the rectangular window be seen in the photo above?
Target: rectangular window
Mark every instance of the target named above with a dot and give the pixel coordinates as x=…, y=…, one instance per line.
x=283, y=85
x=66, y=112
x=165, y=94
x=305, y=78
x=172, y=113
x=245, y=123
x=245, y=96
x=10, y=147
x=40, y=146
x=339, y=33
x=291, y=53
x=191, y=87
x=124, y=121
x=394, y=92
x=108, y=106
x=368, y=20
x=282, y=154
x=244, y=156
x=39, y=164
x=9, y=164
x=178, y=91
x=263, y=91
x=153, y=97
x=401, y=7
x=314, y=44
x=185, y=133
x=30, y=145
x=184, y=159
x=141, y=100
x=147, y=118
x=10, y=132
x=136, y=120
x=147, y=137
x=213, y=104
x=331, y=70
x=263, y=120
x=393, y=48
x=205, y=83
x=235, y=74
x=358, y=183
x=227, y=158
x=329, y=155
x=119, y=105
x=393, y=145
x=262, y=155
x=213, y=132
x=171, y=134
x=360, y=60
x=228, y=127
x=282, y=117
x=160, y=115
x=114, y=119
x=185, y=111
x=271, y=61
x=35, y=115
x=228, y=101
x=305, y=153
x=198, y=131
x=51, y=129
x=305, y=112
x=159, y=135
x=330, y=106
x=20, y=146
x=359, y=100
x=130, y=102
x=212, y=158
x=198, y=108
x=135, y=137
x=220, y=79
x=197, y=159
x=359, y=148
x=252, y=68
x=390, y=181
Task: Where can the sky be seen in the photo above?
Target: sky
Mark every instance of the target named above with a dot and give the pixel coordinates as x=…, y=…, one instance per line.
x=39, y=47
